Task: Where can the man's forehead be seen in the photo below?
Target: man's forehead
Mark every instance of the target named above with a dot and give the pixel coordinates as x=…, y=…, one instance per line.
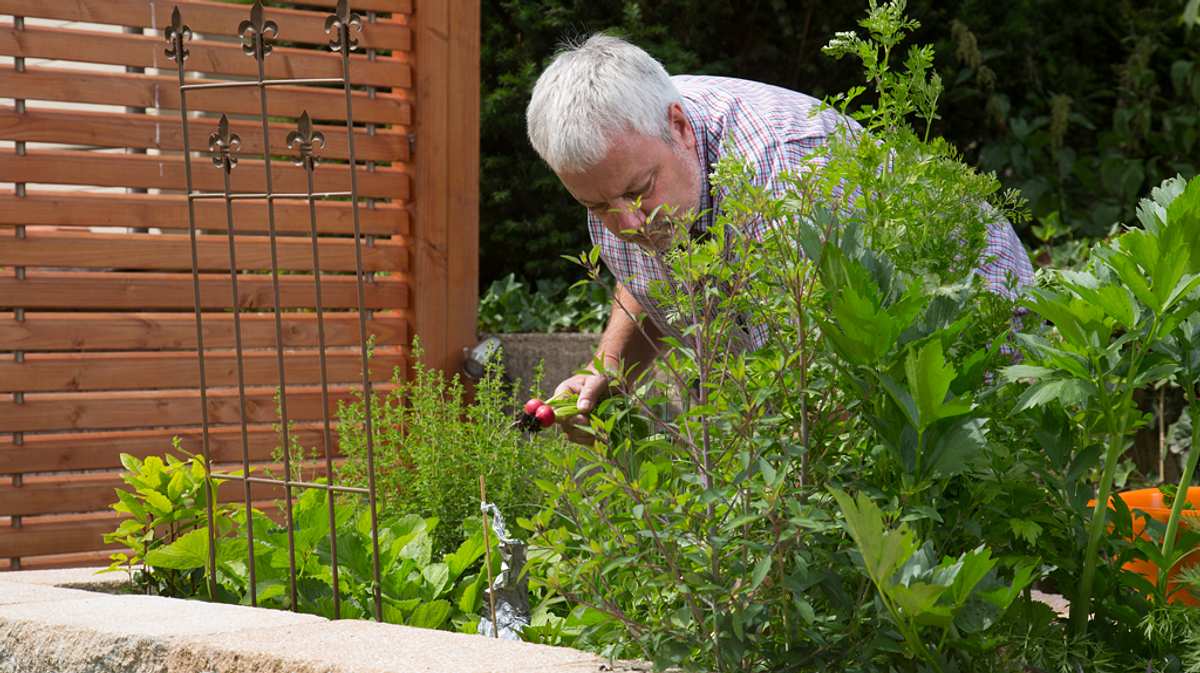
x=625, y=165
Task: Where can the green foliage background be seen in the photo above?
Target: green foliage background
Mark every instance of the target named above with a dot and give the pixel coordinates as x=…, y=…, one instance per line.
x=1083, y=107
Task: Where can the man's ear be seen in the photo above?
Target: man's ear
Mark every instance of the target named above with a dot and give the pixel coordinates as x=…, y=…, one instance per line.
x=681, y=129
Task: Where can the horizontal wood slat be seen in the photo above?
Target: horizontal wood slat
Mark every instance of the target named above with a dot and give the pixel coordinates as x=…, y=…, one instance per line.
x=393, y=6
x=68, y=494
x=141, y=291
x=164, y=132
x=161, y=91
x=170, y=212
x=128, y=331
x=167, y=252
x=219, y=58
x=160, y=172
x=102, y=450
x=101, y=411
x=139, y=371
x=214, y=18
x=53, y=538
x=87, y=559
x=74, y=533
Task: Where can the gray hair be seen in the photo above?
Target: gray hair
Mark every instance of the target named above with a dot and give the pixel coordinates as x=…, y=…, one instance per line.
x=592, y=91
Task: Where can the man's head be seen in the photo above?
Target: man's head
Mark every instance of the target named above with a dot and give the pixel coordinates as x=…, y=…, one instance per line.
x=608, y=120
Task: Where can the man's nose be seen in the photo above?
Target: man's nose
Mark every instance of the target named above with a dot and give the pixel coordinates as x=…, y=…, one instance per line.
x=623, y=222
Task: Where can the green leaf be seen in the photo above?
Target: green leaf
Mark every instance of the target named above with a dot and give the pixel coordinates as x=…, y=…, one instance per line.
x=472, y=595
x=1014, y=373
x=929, y=378
x=1068, y=392
x=956, y=448
x=760, y=571
x=187, y=552
x=882, y=552
x=159, y=502
x=130, y=462
x=467, y=554
x=437, y=577
x=431, y=615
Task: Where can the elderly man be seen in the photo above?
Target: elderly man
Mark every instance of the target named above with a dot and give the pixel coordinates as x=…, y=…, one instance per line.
x=626, y=139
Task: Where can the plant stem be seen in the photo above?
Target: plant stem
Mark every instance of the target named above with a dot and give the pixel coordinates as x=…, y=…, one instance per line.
x=1081, y=605
x=1185, y=481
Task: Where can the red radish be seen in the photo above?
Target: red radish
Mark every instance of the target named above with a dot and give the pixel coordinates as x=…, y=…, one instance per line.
x=545, y=415
x=533, y=405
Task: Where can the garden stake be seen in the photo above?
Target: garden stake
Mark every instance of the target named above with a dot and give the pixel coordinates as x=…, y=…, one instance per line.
x=487, y=554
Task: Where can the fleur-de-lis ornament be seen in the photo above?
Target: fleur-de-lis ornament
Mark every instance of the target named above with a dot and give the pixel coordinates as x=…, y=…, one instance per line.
x=176, y=33
x=256, y=33
x=343, y=20
x=224, y=145
x=306, y=140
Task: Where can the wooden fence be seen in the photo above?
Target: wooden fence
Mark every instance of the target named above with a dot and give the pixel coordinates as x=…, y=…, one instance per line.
x=97, y=334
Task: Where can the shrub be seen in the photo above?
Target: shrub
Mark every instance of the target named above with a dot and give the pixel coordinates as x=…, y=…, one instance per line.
x=865, y=491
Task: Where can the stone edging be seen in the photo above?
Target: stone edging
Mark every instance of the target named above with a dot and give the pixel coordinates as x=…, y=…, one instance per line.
x=48, y=628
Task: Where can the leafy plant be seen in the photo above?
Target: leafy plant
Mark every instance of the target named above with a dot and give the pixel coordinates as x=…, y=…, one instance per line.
x=416, y=590
x=1124, y=324
x=165, y=503
x=511, y=306
x=432, y=444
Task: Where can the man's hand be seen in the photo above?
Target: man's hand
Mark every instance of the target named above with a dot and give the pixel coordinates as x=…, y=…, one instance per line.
x=591, y=388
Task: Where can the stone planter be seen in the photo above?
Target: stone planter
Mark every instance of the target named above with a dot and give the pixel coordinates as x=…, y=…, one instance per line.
x=561, y=354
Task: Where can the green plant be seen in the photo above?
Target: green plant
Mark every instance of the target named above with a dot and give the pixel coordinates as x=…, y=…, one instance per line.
x=709, y=539
x=952, y=597
x=415, y=589
x=166, y=501
x=510, y=306
x=1124, y=324
x=432, y=444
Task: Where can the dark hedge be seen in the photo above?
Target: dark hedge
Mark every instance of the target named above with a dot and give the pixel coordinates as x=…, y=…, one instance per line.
x=1083, y=106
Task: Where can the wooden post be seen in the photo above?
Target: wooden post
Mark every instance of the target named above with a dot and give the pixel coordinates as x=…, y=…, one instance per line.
x=446, y=194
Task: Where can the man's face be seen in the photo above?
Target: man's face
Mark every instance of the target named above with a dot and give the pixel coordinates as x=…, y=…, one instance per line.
x=643, y=176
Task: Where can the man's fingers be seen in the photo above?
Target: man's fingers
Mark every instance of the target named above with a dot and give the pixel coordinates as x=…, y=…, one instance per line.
x=593, y=387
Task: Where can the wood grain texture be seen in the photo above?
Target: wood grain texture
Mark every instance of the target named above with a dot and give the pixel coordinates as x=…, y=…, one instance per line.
x=165, y=132
x=173, y=252
x=114, y=410
x=53, y=372
x=81, y=209
x=89, y=331
x=143, y=291
x=161, y=92
x=163, y=172
x=215, y=18
x=53, y=452
x=213, y=58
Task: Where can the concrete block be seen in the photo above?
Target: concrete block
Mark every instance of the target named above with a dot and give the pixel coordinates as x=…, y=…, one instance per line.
x=14, y=593
x=354, y=646
x=72, y=578
x=152, y=616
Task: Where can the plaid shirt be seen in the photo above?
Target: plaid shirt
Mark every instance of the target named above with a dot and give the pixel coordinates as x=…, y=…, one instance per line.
x=773, y=129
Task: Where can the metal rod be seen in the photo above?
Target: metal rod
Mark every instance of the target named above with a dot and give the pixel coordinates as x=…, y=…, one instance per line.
x=261, y=196
x=19, y=272
x=291, y=482
x=227, y=166
x=176, y=38
x=487, y=557
x=263, y=83
x=309, y=166
x=261, y=51
x=346, y=45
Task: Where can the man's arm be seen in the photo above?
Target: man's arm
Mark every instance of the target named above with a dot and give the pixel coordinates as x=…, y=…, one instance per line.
x=623, y=343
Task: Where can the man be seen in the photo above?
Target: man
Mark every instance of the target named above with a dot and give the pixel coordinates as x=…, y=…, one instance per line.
x=628, y=141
